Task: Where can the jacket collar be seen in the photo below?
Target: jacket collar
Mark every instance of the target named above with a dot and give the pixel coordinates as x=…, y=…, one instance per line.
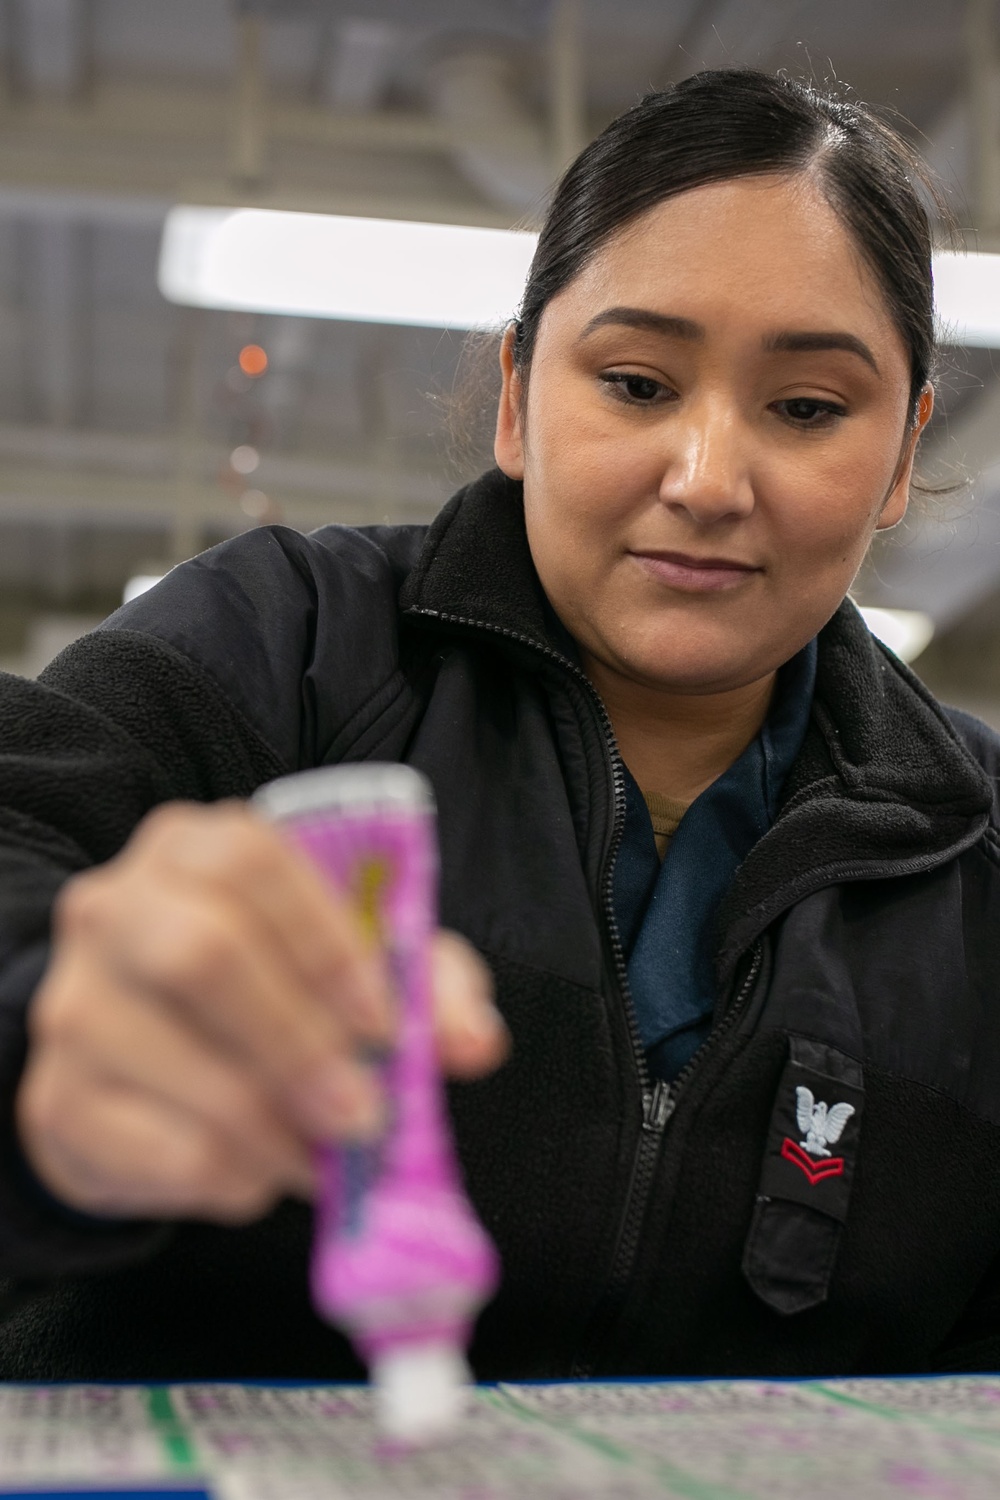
x=882, y=784
x=476, y=566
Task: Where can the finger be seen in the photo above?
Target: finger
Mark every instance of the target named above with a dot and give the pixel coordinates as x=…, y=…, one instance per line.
x=472, y=1037
x=111, y=1151
x=315, y=928
x=208, y=960
x=121, y=1040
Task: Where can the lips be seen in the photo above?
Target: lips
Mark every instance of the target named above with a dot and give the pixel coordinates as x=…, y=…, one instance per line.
x=695, y=575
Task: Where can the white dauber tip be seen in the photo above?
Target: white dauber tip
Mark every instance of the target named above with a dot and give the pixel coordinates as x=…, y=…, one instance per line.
x=420, y=1391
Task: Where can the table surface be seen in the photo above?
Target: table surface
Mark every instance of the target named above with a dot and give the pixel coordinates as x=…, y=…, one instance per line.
x=927, y=1439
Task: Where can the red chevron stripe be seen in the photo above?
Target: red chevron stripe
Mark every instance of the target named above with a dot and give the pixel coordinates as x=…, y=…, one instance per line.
x=814, y=1168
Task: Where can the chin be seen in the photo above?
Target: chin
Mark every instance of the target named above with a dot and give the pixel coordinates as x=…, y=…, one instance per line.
x=697, y=677
x=700, y=663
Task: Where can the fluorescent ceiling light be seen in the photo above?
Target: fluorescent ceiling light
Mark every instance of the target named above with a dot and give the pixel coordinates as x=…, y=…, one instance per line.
x=331, y=266
x=967, y=296
x=435, y=275
x=905, y=631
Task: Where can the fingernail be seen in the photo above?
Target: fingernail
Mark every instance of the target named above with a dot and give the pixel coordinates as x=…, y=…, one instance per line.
x=343, y=1101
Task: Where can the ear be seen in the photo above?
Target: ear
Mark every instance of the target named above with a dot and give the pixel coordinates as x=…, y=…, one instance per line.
x=508, y=444
x=898, y=497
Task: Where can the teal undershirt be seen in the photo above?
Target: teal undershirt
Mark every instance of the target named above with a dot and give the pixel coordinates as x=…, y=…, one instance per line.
x=666, y=912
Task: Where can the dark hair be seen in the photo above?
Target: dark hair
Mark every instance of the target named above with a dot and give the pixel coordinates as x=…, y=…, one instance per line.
x=724, y=124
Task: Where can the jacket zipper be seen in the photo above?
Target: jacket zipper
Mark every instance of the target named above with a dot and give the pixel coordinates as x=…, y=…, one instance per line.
x=732, y=1014
x=659, y=1099
x=650, y=1098
x=658, y=1107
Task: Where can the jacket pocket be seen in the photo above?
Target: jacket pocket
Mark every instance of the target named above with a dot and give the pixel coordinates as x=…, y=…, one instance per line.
x=806, y=1177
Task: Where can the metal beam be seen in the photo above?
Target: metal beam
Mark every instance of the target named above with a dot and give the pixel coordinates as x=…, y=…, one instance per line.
x=123, y=114
x=50, y=48
x=567, y=87
x=116, y=478
x=53, y=312
x=983, y=67
x=249, y=104
x=355, y=71
x=355, y=496
x=175, y=143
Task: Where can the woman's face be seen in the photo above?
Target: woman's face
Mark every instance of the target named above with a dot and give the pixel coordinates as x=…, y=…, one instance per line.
x=715, y=424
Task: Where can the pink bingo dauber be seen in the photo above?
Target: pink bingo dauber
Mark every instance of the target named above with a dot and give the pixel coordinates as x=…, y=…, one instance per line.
x=400, y=1262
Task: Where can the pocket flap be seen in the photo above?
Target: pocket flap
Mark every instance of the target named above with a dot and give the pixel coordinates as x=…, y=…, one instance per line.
x=806, y=1177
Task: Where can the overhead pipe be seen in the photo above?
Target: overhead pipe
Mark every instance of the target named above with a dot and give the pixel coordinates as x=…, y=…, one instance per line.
x=983, y=53
x=567, y=89
x=249, y=103
x=499, y=147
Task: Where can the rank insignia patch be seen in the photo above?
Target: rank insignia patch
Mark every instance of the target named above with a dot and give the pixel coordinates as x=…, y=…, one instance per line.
x=820, y=1124
x=818, y=1106
x=805, y=1187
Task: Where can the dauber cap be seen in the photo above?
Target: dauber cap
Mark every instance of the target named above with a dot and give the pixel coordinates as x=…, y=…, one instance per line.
x=420, y=1390
x=354, y=788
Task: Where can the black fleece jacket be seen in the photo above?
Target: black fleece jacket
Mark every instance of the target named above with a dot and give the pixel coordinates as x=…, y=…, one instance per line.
x=692, y=1229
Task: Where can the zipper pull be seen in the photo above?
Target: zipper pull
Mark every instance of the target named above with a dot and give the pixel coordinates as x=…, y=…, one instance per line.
x=657, y=1107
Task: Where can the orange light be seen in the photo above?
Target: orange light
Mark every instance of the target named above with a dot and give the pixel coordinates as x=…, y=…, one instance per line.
x=253, y=359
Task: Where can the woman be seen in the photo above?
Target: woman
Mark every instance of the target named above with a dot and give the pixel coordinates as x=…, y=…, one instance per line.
x=748, y=1120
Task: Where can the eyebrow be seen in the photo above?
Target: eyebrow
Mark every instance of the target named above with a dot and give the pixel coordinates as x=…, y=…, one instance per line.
x=648, y=321
x=795, y=343
x=789, y=342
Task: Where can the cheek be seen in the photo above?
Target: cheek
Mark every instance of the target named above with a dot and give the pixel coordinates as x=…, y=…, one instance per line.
x=578, y=484
x=827, y=511
x=573, y=435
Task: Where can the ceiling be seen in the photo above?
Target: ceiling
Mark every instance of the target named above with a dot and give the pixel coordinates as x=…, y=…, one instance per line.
x=118, y=412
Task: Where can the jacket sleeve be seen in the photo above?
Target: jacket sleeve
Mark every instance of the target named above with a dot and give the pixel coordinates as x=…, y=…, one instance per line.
x=120, y=723
x=242, y=665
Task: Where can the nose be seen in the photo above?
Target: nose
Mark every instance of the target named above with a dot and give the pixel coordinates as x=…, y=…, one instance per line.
x=707, y=468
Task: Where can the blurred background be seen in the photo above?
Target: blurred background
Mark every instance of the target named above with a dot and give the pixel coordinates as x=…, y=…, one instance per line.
x=135, y=431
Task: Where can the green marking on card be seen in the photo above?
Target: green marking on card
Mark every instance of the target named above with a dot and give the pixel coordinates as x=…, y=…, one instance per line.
x=916, y=1417
x=179, y=1451
x=177, y=1445
x=681, y=1482
x=161, y=1406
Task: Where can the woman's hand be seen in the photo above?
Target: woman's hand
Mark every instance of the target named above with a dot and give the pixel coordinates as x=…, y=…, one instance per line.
x=204, y=1019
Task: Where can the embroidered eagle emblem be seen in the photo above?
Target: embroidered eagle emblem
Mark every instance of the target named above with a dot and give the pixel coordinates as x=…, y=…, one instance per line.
x=819, y=1123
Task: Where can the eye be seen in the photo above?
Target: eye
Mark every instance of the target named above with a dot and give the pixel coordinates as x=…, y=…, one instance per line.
x=634, y=390
x=806, y=411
